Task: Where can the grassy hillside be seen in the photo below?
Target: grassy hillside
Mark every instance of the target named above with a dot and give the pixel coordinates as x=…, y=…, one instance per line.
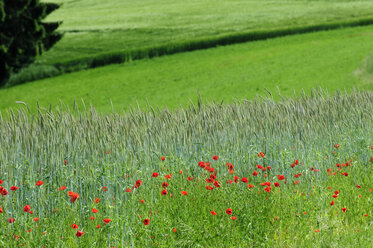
x=295, y=173
x=94, y=26
x=339, y=59
x=105, y=32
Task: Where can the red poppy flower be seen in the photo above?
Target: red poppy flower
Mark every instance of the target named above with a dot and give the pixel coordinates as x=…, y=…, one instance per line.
x=97, y=200
x=213, y=176
x=229, y=211
x=181, y=172
x=269, y=168
x=332, y=203
x=128, y=190
x=92, y=218
x=236, y=178
x=209, y=187
x=107, y=221
x=344, y=210
x=255, y=173
x=1, y=210
x=155, y=174
x=98, y=226
x=168, y=176
x=105, y=188
x=215, y=158
x=184, y=192
x=336, y=146
x=229, y=181
x=366, y=215
x=250, y=186
x=268, y=189
x=335, y=196
x=244, y=180
x=190, y=178
x=1, y=182
x=233, y=218
x=79, y=233
x=317, y=230
x=142, y=201
x=201, y=164
x=146, y=222
x=336, y=192
x=39, y=183
x=27, y=208
x=276, y=184
x=217, y=184
x=280, y=177
x=36, y=219
x=213, y=212
x=174, y=230
x=73, y=196
x=163, y=158
x=10, y=220
x=62, y=188
x=30, y=212
x=75, y=226
x=358, y=186
x=164, y=192
x=94, y=210
x=138, y=183
x=13, y=188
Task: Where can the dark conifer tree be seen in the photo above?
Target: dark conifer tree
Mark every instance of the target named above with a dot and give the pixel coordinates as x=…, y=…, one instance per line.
x=23, y=34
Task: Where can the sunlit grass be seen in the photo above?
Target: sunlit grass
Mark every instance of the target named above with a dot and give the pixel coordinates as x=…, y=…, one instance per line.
x=86, y=152
x=335, y=60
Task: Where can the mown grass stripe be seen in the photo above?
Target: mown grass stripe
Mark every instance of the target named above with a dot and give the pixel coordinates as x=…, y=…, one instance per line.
x=187, y=46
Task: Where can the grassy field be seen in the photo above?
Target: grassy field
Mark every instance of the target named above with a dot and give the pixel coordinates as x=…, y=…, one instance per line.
x=339, y=59
x=106, y=32
x=100, y=174
x=227, y=146
x=94, y=26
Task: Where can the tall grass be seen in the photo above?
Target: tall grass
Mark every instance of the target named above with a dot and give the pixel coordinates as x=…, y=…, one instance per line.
x=34, y=147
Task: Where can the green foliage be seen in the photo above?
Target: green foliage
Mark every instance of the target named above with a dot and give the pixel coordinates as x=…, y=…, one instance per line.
x=132, y=29
x=34, y=147
x=242, y=71
x=23, y=34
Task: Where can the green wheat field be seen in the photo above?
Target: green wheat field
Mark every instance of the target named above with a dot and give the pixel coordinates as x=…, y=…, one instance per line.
x=193, y=124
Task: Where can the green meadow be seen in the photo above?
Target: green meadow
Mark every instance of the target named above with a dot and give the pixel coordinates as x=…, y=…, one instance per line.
x=333, y=60
x=98, y=33
x=193, y=124
x=296, y=173
x=94, y=27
